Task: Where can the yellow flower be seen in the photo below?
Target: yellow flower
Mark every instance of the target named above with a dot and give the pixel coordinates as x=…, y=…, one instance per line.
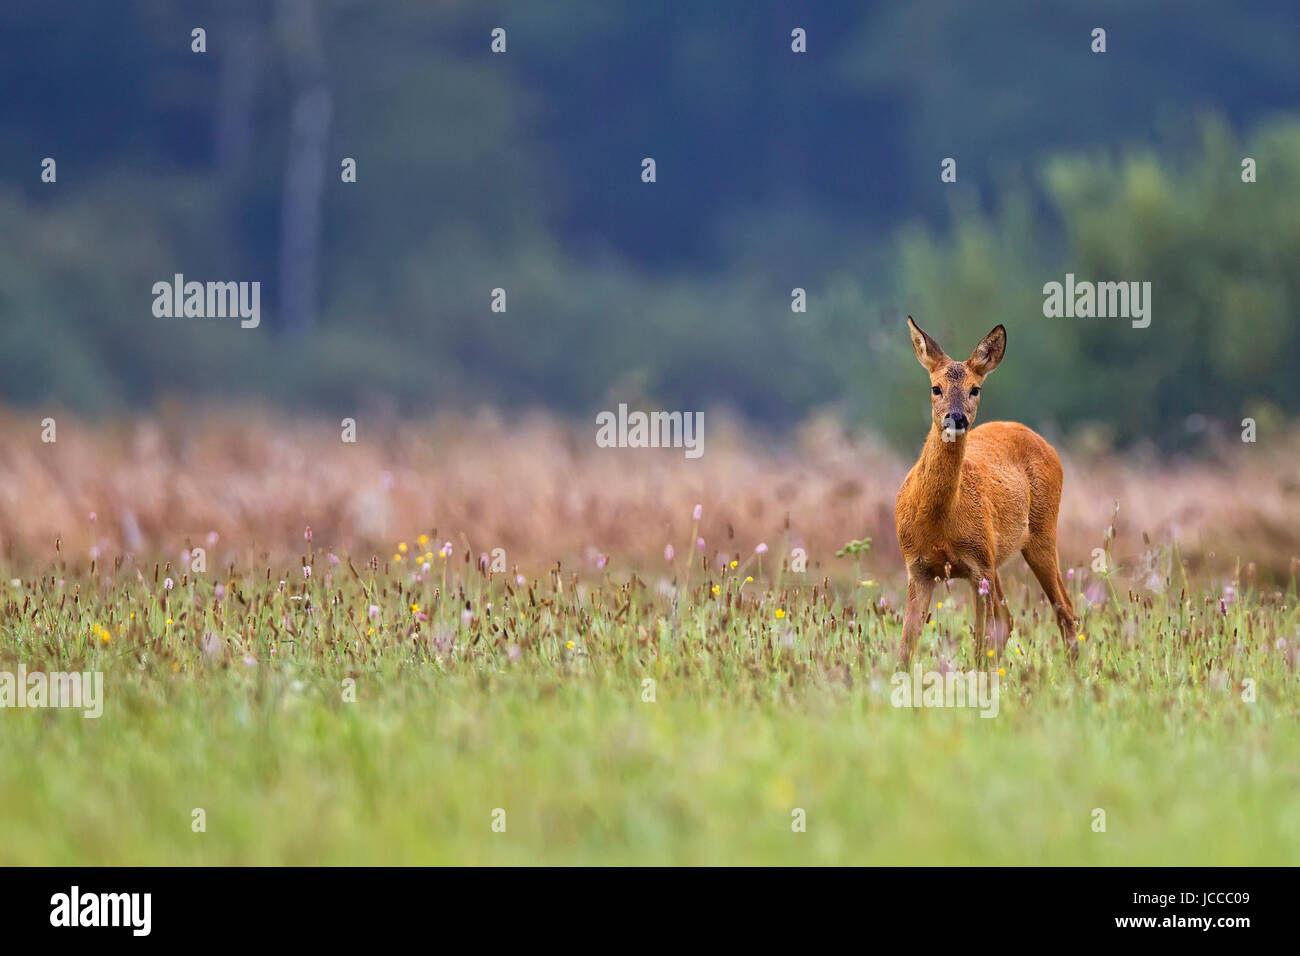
x=990, y=653
x=428, y=555
x=415, y=609
x=133, y=615
x=1083, y=637
x=1019, y=651
x=1002, y=672
x=422, y=540
x=402, y=547
x=749, y=579
x=939, y=606
x=397, y=557
x=734, y=563
x=370, y=632
x=715, y=589
x=780, y=613
x=570, y=645
x=169, y=622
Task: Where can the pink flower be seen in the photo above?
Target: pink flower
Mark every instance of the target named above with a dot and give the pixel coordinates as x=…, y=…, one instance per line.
x=306, y=570
x=984, y=587
x=1069, y=574
x=513, y=652
x=306, y=535
x=213, y=538
x=334, y=559
x=762, y=548
x=373, y=612
x=219, y=592
x=1223, y=606
x=668, y=553
x=168, y=584
x=698, y=512
x=93, y=517
x=699, y=544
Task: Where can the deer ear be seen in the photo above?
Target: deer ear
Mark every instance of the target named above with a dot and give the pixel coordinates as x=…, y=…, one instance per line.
x=989, y=352
x=928, y=352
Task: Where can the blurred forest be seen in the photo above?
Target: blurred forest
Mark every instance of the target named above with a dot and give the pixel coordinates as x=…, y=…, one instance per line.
x=776, y=170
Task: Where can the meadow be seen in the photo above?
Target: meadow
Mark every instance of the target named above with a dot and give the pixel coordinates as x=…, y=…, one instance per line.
x=476, y=642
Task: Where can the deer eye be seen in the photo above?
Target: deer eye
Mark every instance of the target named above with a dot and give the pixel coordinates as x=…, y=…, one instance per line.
x=937, y=390
x=974, y=391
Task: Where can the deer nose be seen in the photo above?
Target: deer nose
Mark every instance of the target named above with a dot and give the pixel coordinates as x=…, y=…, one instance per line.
x=956, y=420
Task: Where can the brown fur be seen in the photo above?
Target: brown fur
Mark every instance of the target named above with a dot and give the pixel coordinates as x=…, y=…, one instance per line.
x=976, y=497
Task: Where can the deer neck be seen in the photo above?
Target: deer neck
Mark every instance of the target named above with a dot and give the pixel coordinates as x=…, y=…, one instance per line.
x=940, y=470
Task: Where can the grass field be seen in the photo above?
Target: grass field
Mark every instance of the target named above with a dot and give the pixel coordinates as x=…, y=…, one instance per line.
x=383, y=712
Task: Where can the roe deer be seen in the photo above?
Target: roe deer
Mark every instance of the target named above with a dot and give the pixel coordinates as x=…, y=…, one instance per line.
x=976, y=497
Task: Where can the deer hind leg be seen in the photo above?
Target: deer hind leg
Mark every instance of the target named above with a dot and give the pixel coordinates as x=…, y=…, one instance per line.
x=1042, y=559
x=920, y=587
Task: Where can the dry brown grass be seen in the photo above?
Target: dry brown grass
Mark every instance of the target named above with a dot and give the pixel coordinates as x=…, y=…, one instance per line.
x=543, y=491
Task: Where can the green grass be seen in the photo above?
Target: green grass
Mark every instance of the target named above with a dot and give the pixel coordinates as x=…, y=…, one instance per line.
x=753, y=716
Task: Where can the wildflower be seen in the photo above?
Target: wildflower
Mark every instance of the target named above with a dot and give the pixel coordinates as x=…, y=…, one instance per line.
x=570, y=645
x=306, y=571
x=415, y=609
x=306, y=535
x=780, y=613
x=372, y=612
x=213, y=538
x=1069, y=574
x=334, y=559
x=699, y=544
x=668, y=553
x=1019, y=651
x=168, y=584
x=93, y=517
x=989, y=653
x=396, y=558
x=762, y=548
x=169, y=622
x=1223, y=606
x=698, y=512
x=219, y=592
x=749, y=579
x=402, y=547
x=984, y=587
x=513, y=652
x=370, y=631
x=422, y=540
x=734, y=564
x=939, y=606
x=1002, y=672
x=715, y=589
x=1083, y=637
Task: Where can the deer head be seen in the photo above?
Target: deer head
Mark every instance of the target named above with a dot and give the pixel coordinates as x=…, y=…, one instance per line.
x=955, y=386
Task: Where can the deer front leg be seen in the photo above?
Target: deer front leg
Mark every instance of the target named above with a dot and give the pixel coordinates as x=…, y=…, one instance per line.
x=920, y=587
x=980, y=582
